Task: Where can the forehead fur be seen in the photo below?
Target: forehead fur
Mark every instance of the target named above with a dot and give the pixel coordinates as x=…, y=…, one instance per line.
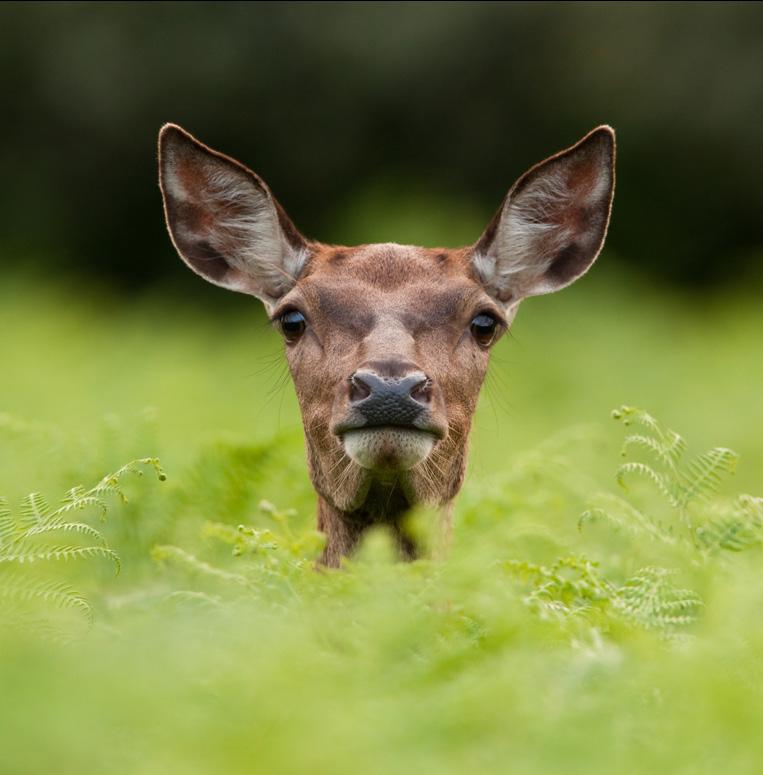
x=386, y=266
x=419, y=288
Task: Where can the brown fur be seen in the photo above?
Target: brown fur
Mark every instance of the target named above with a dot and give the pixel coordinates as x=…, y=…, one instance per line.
x=366, y=310
x=387, y=307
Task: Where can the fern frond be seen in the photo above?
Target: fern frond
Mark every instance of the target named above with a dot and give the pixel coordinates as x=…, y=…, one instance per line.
x=24, y=589
x=23, y=554
x=23, y=542
x=163, y=553
x=739, y=526
x=674, y=446
x=244, y=538
x=55, y=526
x=703, y=476
x=7, y=525
x=623, y=515
x=34, y=508
x=667, y=445
x=111, y=483
x=632, y=414
x=668, y=452
x=220, y=531
x=662, y=482
x=253, y=541
x=571, y=586
x=733, y=535
x=650, y=600
x=78, y=499
x=751, y=507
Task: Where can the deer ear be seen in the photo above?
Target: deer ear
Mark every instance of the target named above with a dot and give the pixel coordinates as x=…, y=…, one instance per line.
x=224, y=222
x=552, y=224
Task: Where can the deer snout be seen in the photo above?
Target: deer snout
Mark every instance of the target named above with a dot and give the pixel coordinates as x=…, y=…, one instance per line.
x=391, y=423
x=399, y=400
x=383, y=400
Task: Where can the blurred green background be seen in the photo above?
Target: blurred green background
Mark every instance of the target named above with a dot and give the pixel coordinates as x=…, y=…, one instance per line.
x=375, y=122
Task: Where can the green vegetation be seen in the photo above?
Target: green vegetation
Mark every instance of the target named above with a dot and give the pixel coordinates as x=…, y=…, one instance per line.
x=599, y=610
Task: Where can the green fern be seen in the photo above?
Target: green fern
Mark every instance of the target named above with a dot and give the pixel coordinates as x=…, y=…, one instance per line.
x=266, y=558
x=18, y=588
x=572, y=586
x=651, y=601
x=679, y=484
x=35, y=534
x=623, y=515
x=733, y=527
x=688, y=487
x=576, y=587
x=190, y=563
x=714, y=525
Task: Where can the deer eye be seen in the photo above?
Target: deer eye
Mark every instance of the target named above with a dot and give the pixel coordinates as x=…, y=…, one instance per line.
x=484, y=328
x=292, y=324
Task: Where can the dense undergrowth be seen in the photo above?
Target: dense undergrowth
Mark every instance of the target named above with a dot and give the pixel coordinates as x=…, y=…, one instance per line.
x=598, y=611
x=231, y=633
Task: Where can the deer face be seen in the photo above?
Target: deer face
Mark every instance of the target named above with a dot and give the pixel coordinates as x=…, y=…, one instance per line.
x=388, y=347
x=387, y=344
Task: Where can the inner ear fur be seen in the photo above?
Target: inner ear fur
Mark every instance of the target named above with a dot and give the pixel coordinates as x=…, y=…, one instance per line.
x=552, y=224
x=223, y=220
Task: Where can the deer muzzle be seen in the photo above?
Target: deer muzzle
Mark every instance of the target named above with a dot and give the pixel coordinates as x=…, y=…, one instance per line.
x=390, y=424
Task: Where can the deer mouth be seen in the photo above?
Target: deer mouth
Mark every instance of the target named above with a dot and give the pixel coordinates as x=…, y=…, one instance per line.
x=388, y=447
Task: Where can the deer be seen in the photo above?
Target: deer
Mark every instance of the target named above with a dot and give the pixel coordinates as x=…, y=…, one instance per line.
x=387, y=344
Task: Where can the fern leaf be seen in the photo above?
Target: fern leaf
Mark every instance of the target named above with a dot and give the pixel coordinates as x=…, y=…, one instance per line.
x=667, y=452
x=23, y=554
x=739, y=526
x=632, y=414
x=7, y=525
x=650, y=600
x=55, y=526
x=80, y=498
x=703, y=475
x=622, y=515
x=77, y=501
x=751, y=506
x=571, y=586
x=25, y=589
x=34, y=508
x=674, y=446
x=163, y=553
x=220, y=531
x=110, y=483
x=670, y=445
x=662, y=482
x=733, y=535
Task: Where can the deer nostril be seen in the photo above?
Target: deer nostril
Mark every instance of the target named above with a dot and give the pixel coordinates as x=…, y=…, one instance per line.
x=422, y=391
x=358, y=389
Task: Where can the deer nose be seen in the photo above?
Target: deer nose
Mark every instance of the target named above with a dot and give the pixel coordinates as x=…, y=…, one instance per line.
x=386, y=400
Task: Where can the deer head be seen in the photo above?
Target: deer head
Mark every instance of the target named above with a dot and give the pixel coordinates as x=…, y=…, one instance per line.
x=387, y=344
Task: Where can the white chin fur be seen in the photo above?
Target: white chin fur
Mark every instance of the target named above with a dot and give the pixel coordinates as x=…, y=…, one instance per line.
x=388, y=449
